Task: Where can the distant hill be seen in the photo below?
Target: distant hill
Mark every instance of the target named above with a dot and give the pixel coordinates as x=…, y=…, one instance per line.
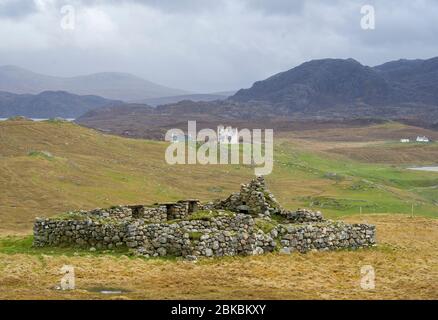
x=111, y=85
x=338, y=83
x=49, y=104
x=175, y=99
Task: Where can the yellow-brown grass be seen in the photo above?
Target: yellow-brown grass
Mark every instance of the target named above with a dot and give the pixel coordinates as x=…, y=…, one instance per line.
x=89, y=169
x=405, y=262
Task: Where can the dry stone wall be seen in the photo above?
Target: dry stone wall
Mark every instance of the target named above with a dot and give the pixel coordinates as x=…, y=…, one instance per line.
x=221, y=236
x=240, y=225
x=79, y=233
x=325, y=236
x=154, y=215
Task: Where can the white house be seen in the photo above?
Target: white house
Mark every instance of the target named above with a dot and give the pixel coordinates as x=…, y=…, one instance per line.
x=405, y=140
x=422, y=139
x=227, y=135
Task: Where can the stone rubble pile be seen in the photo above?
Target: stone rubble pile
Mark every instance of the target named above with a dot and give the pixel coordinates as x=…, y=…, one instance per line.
x=303, y=215
x=253, y=198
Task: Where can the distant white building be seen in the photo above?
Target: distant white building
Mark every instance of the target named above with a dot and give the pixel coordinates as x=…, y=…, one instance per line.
x=227, y=135
x=423, y=139
x=405, y=140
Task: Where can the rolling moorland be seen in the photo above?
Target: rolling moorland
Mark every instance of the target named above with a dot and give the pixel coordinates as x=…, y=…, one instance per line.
x=53, y=166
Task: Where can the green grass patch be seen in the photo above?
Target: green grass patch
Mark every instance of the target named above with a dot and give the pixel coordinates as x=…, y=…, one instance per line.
x=77, y=216
x=376, y=188
x=339, y=204
x=24, y=245
x=207, y=215
x=265, y=225
x=41, y=154
x=195, y=236
x=56, y=120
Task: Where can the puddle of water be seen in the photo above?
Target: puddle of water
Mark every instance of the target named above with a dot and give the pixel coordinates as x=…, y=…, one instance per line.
x=111, y=292
x=107, y=290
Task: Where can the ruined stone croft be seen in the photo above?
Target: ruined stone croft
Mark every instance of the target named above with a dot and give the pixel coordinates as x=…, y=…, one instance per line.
x=248, y=222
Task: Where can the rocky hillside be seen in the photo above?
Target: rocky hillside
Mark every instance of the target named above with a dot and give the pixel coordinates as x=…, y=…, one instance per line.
x=417, y=80
x=320, y=83
x=339, y=85
x=176, y=99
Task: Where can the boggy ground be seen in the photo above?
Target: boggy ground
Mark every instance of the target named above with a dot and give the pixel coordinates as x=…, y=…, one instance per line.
x=405, y=263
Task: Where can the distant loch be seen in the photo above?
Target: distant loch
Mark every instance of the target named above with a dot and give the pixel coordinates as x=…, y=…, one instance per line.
x=41, y=119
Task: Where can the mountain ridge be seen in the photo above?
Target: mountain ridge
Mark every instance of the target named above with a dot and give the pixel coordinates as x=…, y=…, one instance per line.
x=110, y=85
x=332, y=82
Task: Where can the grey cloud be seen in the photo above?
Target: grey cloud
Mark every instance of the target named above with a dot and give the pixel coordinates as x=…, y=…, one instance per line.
x=16, y=8
x=212, y=45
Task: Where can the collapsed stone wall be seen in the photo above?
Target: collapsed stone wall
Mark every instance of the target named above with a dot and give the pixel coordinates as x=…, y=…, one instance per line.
x=302, y=216
x=255, y=198
x=221, y=236
x=239, y=225
x=116, y=212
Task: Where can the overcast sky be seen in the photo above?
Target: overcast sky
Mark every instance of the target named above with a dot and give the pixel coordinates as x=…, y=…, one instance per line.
x=209, y=45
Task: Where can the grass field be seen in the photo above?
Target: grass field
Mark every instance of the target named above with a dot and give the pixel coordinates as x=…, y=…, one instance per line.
x=49, y=167
x=405, y=264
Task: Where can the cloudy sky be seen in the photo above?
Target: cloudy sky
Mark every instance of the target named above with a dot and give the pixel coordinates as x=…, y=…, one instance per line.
x=208, y=45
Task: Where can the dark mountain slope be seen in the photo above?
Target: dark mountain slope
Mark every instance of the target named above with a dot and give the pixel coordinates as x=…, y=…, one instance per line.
x=417, y=79
x=49, y=104
x=175, y=99
x=324, y=84
x=321, y=84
